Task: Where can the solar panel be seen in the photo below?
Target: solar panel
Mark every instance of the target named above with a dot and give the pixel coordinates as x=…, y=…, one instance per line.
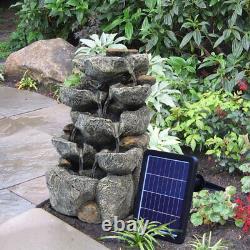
x=165, y=190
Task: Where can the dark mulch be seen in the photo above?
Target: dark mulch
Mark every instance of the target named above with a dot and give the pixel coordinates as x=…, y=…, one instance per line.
x=234, y=237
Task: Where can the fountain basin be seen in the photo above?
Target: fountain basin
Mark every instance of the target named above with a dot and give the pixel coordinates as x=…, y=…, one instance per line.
x=120, y=163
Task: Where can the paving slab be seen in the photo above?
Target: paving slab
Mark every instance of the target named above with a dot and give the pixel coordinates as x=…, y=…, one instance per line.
x=35, y=191
x=11, y=205
x=49, y=120
x=14, y=101
x=26, y=153
x=39, y=230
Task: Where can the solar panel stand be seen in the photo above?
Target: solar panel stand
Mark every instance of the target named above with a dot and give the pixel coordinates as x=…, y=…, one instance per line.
x=201, y=183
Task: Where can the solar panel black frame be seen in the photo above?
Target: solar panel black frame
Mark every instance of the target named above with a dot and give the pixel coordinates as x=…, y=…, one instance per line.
x=193, y=165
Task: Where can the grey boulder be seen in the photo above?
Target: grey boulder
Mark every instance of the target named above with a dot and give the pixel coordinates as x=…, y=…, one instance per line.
x=129, y=97
x=107, y=68
x=115, y=196
x=95, y=130
x=134, y=122
x=68, y=192
x=79, y=99
x=120, y=163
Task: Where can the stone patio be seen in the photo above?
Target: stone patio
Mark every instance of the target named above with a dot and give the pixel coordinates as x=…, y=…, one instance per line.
x=27, y=123
x=39, y=230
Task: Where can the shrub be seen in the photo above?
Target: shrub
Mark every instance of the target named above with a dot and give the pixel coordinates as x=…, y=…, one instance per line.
x=210, y=208
x=242, y=214
x=27, y=82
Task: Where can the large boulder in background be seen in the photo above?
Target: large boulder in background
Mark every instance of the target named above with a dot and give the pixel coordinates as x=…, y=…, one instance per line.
x=47, y=61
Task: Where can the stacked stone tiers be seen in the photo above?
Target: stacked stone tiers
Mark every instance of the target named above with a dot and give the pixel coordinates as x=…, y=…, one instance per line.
x=101, y=151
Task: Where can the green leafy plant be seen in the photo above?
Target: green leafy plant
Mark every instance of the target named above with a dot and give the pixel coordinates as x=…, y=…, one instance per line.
x=163, y=141
x=5, y=50
x=140, y=239
x=99, y=45
x=205, y=243
x=245, y=181
x=210, y=208
x=27, y=82
x=73, y=80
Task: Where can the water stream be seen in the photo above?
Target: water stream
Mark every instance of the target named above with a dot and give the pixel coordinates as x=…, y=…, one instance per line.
x=73, y=134
x=81, y=159
x=99, y=103
x=94, y=168
x=117, y=136
x=131, y=71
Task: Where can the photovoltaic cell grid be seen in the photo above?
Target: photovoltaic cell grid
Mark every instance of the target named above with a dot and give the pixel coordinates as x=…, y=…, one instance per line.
x=163, y=191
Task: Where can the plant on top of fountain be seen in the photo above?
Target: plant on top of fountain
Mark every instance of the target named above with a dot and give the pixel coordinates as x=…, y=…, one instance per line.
x=98, y=45
x=140, y=239
x=210, y=208
x=242, y=214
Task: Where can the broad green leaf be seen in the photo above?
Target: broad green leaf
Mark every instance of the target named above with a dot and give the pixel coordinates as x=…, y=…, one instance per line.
x=186, y=39
x=196, y=219
x=129, y=30
x=197, y=37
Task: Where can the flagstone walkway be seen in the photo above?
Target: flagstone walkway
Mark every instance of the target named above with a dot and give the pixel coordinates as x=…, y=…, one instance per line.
x=27, y=123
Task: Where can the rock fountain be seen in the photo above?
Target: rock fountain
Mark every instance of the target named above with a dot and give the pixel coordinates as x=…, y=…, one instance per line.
x=101, y=151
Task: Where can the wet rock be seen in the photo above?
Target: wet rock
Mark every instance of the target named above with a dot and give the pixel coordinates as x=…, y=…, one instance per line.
x=81, y=100
x=68, y=192
x=71, y=152
x=68, y=129
x=120, y=163
x=74, y=116
x=129, y=142
x=136, y=175
x=134, y=122
x=109, y=68
x=95, y=131
x=97, y=173
x=47, y=61
x=115, y=196
x=129, y=97
x=68, y=150
x=145, y=79
x=90, y=213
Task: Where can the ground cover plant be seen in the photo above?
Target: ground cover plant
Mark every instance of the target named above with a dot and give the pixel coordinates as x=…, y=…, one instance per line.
x=205, y=243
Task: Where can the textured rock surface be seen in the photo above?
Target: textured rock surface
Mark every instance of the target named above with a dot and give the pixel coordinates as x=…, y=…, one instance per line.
x=90, y=213
x=129, y=97
x=70, y=151
x=46, y=60
x=95, y=130
x=81, y=99
x=120, y=163
x=140, y=141
x=68, y=192
x=107, y=68
x=135, y=122
x=115, y=196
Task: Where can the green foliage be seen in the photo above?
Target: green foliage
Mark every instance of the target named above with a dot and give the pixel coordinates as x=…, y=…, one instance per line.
x=99, y=45
x=143, y=240
x=5, y=50
x=183, y=26
x=204, y=243
x=245, y=181
x=27, y=82
x=210, y=208
x=162, y=141
x=73, y=80
x=33, y=24
x=216, y=122
x=1, y=74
